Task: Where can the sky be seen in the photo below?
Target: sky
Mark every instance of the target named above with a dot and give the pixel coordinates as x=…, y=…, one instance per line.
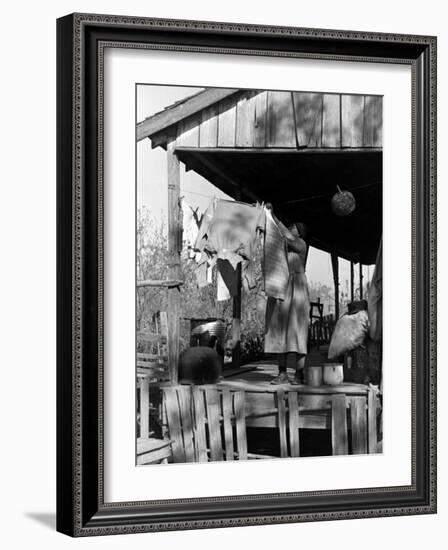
x=197, y=191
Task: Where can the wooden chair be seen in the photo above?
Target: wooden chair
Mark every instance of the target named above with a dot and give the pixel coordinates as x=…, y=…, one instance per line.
x=152, y=366
x=206, y=423
x=152, y=353
x=359, y=413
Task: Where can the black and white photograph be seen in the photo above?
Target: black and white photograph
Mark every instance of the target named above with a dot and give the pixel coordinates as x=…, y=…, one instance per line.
x=222, y=275
x=258, y=246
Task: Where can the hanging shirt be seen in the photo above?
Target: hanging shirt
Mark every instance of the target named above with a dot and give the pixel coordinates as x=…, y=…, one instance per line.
x=222, y=290
x=190, y=227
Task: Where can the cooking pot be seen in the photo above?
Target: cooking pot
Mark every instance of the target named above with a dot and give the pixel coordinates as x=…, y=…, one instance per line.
x=313, y=375
x=333, y=374
x=199, y=365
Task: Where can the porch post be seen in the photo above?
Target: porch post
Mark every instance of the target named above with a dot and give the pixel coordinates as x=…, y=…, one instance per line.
x=360, y=281
x=236, y=321
x=236, y=315
x=174, y=249
x=335, y=266
x=352, y=281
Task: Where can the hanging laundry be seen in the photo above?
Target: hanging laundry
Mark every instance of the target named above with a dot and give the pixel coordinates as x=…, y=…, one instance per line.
x=249, y=274
x=201, y=275
x=229, y=275
x=204, y=270
x=228, y=234
x=229, y=230
x=222, y=290
x=275, y=262
x=209, y=273
x=190, y=224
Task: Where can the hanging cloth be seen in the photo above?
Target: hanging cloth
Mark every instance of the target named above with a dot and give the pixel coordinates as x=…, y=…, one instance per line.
x=228, y=235
x=221, y=288
x=229, y=230
x=190, y=227
x=275, y=262
x=229, y=276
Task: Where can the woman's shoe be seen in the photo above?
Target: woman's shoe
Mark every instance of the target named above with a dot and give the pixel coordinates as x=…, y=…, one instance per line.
x=298, y=379
x=281, y=378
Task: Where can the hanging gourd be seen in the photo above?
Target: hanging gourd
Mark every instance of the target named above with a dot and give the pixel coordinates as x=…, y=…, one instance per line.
x=343, y=203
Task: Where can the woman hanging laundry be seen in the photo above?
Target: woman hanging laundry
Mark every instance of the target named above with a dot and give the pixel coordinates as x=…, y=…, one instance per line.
x=287, y=319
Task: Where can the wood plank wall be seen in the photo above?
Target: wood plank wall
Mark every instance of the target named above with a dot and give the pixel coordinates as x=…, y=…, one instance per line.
x=271, y=119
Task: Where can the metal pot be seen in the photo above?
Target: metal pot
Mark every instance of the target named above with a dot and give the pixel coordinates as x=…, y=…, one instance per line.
x=333, y=374
x=199, y=365
x=209, y=332
x=313, y=375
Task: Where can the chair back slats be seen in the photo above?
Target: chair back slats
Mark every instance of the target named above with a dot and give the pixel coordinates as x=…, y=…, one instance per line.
x=174, y=424
x=187, y=423
x=339, y=436
x=281, y=408
x=214, y=428
x=200, y=438
x=293, y=406
x=152, y=350
x=150, y=337
x=151, y=357
x=227, y=414
x=358, y=417
x=240, y=423
x=161, y=322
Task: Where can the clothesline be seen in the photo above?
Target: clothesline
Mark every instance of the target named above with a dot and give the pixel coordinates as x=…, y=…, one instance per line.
x=327, y=194
x=196, y=193
x=288, y=202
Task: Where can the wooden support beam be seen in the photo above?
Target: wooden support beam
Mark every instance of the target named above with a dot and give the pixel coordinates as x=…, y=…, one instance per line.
x=335, y=266
x=236, y=322
x=236, y=316
x=352, y=281
x=174, y=270
x=301, y=150
x=159, y=283
x=360, y=281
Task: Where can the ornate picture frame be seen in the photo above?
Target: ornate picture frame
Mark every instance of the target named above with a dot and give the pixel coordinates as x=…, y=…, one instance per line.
x=81, y=42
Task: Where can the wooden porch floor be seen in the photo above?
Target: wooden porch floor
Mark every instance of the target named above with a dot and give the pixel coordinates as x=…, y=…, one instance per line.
x=257, y=376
